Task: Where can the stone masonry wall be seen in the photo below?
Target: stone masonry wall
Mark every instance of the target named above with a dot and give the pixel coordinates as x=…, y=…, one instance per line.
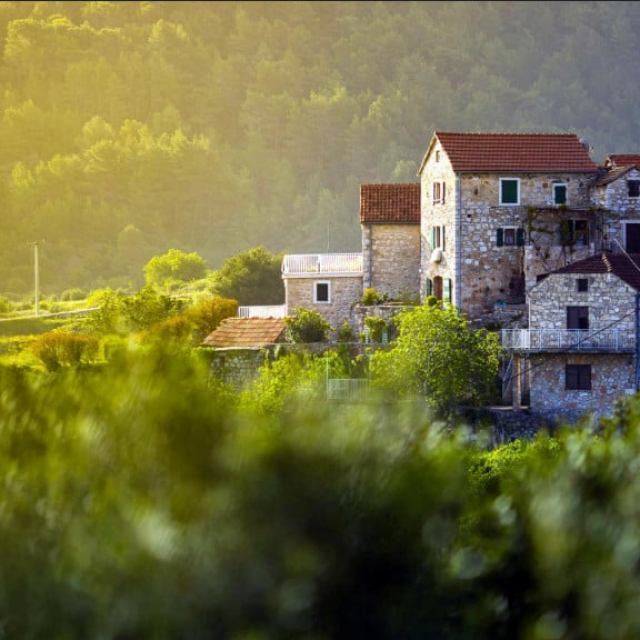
x=490, y=273
x=611, y=301
x=346, y=292
x=612, y=378
x=391, y=254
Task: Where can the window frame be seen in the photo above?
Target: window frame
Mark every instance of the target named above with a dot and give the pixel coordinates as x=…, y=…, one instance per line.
x=316, y=298
x=571, y=235
x=556, y=187
x=578, y=317
x=582, y=285
x=518, y=237
x=439, y=192
x=636, y=188
x=502, y=201
x=438, y=237
x=577, y=377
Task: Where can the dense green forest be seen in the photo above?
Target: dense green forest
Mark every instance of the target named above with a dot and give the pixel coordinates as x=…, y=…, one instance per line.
x=132, y=128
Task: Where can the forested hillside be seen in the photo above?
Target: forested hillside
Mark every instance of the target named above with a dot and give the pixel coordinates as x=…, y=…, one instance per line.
x=130, y=128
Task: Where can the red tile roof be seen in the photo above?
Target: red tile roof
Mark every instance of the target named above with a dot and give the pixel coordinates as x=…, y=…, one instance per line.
x=625, y=266
x=516, y=152
x=611, y=175
x=623, y=160
x=390, y=203
x=246, y=332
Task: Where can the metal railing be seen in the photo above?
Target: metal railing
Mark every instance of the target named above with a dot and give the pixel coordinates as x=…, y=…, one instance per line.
x=264, y=311
x=347, y=388
x=568, y=339
x=322, y=263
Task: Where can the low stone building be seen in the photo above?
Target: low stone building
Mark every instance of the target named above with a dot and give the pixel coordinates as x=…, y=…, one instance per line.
x=580, y=350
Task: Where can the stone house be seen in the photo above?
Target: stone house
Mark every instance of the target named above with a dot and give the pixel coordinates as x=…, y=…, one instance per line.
x=580, y=350
x=491, y=216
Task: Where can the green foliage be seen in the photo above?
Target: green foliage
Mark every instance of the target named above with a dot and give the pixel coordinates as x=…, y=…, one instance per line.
x=175, y=266
x=5, y=305
x=75, y=293
x=252, y=277
x=438, y=357
x=207, y=315
x=121, y=314
x=370, y=297
x=307, y=325
x=59, y=348
x=345, y=332
x=376, y=326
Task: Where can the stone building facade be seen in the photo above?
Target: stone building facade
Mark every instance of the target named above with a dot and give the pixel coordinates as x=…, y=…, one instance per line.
x=580, y=350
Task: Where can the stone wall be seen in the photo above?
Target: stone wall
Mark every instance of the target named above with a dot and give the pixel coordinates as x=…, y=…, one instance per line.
x=391, y=255
x=346, y=292
x=612, y=377
x=611, y=301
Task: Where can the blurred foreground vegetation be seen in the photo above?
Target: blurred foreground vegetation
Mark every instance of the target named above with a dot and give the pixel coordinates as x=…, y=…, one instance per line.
x=143, y=498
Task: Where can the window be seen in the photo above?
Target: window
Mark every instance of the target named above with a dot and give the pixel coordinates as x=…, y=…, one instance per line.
x=438, y=155
x=578, y=377
x=509, y=191
x=437, y=238
x=574, y=232
x=559, y=193
x=510, y=237
x=577, y=317
x=439, y=189
x=322, y=292
x=634, y=188
x=583, y=285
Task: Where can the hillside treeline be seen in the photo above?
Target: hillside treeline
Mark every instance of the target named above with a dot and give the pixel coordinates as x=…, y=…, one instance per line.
x=131, y=128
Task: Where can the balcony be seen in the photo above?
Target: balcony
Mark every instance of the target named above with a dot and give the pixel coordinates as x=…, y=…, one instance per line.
x=325, y=264
x=263, y=311
x=599, y=340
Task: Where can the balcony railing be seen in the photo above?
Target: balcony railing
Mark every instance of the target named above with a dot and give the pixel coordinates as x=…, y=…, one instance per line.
x=324, y=263
x=612, y=340
x=264, y=311
x=347, y=388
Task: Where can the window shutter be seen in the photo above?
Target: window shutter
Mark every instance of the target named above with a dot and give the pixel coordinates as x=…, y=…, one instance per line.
x=433, y=238
x=500, y=236
x=447, y=290
x=443, y=245
x=429, y=285
x=444, y=188
x=520, y=237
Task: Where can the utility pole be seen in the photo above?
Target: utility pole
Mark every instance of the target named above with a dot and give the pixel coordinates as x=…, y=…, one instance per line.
x=37, y=275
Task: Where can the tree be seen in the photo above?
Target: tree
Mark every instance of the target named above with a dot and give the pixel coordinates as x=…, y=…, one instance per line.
x=174, y=266
x=208, y=314
x=437, y=355
x=308, y=325
x=252, y=278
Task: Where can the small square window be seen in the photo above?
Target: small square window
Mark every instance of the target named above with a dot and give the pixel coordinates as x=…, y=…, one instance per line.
x=509, y=191
x=634, y=188
x=559, y=194
x=583, y=285
x=577, y=317
x=578, y=377
x=322, y=292
x=509, y=237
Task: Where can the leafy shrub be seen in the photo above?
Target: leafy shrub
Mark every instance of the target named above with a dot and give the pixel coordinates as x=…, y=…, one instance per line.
x=371, y=297
x=307, y=325
x=58, y=348
x=376, y=326
x=345, y=332
x=71, y=295
x=5, y=305
x=207, y=315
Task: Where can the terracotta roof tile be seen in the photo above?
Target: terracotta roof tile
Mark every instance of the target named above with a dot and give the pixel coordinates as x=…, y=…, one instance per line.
x=625, y=266
x=611, y=175
x=623, y=160
x=390, y=203
x=246, y=332
x=522, y=152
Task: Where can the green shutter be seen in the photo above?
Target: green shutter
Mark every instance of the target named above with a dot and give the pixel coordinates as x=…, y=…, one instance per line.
x=429, y=284
x=520, y=237
x=500, y=236
x=433, y=238
x=509, y=192
x=447, y=289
